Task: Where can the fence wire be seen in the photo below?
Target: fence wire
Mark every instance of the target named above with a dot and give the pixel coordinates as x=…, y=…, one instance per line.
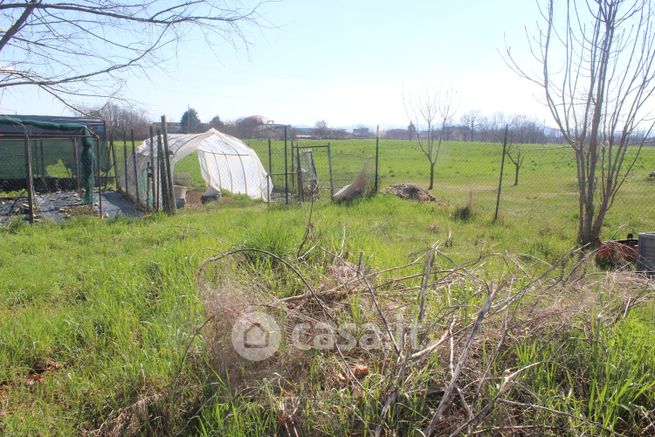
x=55, y=183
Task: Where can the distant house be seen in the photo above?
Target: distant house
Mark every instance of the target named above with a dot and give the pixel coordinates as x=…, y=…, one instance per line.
x=172, y=127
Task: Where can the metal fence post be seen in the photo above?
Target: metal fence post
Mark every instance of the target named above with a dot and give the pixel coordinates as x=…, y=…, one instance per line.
x=301, y=194
x=29, y=177
x=134, y=166
x=286, y=168
x=500, y=179
x=377, y=158
x=329, y=157
x=77, y=167
x=163, y=186
x=98, y=175
x=112, y=150
x=125, y=162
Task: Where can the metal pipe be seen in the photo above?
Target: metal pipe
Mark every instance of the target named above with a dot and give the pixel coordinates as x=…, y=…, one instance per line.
x=125, y=162
x=112, y=150
x=286, y=168
x=500, y=179
x=98, y=175
x=29, y=177
x=377, y=158
x=329, y=156
x=163, y=187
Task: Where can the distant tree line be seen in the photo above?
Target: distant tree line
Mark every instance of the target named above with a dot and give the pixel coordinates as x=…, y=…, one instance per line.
x=473, y=126
x=122, y=118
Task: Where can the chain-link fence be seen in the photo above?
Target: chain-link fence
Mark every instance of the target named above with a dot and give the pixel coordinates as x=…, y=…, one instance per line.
x=304, y=169
x=539, y=182
x=47, y=166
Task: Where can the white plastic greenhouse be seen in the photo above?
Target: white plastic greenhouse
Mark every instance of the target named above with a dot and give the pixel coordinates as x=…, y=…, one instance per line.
x=226, y=163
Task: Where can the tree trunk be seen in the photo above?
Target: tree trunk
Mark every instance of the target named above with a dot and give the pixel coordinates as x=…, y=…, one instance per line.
x=588, y=233
x=516, y=174
x=432, y=164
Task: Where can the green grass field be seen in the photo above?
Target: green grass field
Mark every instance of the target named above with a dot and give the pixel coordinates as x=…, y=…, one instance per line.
x=98, y=320
x=545, y=195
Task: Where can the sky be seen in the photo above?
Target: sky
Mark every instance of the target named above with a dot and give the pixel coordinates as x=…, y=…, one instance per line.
x=346, y=62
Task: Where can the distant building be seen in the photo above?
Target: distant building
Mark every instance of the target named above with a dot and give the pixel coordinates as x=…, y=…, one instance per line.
x=172, y=127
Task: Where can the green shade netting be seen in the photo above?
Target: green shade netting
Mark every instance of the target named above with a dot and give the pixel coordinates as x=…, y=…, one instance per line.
x=55, y=150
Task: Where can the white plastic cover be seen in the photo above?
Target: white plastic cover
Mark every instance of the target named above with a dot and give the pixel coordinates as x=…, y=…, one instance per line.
x=225, y=163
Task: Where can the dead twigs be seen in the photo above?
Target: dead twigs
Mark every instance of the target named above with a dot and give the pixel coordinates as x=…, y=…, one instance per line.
x=447, y=363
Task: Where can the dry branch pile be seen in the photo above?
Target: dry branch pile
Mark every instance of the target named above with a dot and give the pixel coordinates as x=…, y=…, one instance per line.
x=447, y=333
x=410, y=192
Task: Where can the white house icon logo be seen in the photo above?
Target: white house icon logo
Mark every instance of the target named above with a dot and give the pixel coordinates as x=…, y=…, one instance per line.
x=256, y=336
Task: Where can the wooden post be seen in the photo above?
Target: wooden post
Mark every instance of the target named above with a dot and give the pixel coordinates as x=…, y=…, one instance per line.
x=329, y=153
x=377, y=158
x=500, y=179
x=163, y=185
x=286, y=168
x=169, y=170
x=29, y=178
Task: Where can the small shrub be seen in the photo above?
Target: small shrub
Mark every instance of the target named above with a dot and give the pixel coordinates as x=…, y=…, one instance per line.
x=465, y=213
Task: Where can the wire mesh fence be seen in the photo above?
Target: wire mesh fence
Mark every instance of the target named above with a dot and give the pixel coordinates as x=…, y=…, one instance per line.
x=50, y=172
x=539, y=181
x=304, y=169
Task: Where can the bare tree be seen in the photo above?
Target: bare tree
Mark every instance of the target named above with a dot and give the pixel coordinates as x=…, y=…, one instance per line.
x=321, y=129
x=526, y=130
x=517, y=157
x=84, y=48
x=470, y=121
x=596, y=62
x=433, y=113
x=120, y=119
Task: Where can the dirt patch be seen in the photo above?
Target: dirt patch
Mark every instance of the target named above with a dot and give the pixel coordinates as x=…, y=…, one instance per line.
x=3, y=413
x=40, y=370
x=410, y=192
x=193, y=199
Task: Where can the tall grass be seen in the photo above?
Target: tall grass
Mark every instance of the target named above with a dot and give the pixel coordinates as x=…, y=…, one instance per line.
x=99, y=319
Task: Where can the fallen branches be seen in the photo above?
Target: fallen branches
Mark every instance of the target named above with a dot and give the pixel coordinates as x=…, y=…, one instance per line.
x=440, y=338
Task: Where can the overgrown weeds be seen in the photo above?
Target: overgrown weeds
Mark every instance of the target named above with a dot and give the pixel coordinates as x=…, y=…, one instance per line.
x=458, y=351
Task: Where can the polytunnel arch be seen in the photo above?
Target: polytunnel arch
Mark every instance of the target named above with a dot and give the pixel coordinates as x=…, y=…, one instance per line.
x=221, y=157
